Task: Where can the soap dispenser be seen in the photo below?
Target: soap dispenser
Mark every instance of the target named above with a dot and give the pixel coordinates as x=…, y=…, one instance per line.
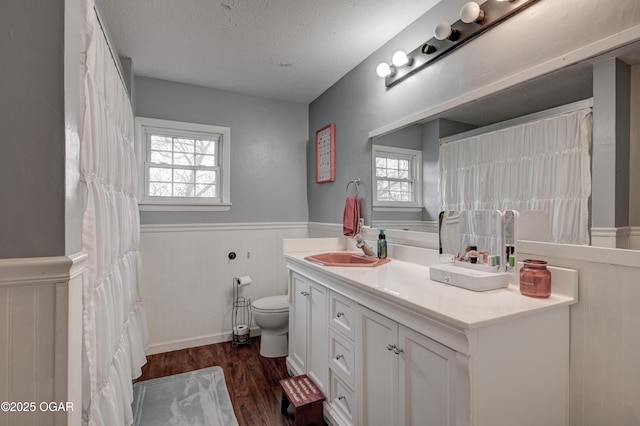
x=382, y=245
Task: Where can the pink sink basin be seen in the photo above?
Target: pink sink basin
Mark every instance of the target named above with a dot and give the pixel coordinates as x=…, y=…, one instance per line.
x=345, y=259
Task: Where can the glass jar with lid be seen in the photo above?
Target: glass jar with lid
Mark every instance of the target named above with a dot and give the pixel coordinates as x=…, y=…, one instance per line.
x=535, y=278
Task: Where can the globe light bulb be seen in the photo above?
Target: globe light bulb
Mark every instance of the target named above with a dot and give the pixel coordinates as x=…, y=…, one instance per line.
x=400, y=58
x=384, y=70
x=471, y=12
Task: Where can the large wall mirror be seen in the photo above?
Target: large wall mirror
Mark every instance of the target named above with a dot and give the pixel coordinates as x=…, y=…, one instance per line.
x=562, y=87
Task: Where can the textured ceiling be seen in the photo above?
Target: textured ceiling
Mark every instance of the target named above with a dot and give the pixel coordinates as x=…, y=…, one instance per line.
x=290, y=50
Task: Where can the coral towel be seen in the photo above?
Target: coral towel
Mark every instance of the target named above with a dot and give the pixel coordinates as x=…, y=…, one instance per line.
x=351, y=217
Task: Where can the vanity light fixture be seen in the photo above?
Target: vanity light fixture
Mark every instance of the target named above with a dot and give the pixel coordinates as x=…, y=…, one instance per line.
x=474, y=19
x=471, y=12
x=384, y=70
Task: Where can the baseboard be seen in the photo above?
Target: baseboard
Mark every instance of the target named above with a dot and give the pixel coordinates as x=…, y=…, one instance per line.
x=192, y=342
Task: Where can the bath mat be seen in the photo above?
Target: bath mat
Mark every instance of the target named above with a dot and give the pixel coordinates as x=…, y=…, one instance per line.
x=195, y=398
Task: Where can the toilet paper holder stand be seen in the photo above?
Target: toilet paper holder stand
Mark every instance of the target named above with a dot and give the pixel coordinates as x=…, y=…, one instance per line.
x=240, y=317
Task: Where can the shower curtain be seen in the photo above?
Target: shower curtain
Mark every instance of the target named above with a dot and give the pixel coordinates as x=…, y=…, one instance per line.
x=114, y=327
x=540, y=165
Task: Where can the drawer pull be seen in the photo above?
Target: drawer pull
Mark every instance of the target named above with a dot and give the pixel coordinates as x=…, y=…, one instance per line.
x=397, y=350
x=342, y=397
x=304, y=293
x=340, y=314
x=391, y=347
x=339, y=356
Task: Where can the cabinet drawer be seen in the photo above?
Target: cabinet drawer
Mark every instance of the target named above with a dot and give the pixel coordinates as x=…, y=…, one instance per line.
x=342, y=314
x=342, y=357
x=343, y=401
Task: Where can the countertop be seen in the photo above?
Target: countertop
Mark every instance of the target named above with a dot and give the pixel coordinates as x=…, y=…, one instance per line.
x=408, y=284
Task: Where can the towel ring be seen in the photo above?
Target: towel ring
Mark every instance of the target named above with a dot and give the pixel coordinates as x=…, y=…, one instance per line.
x=356, y=182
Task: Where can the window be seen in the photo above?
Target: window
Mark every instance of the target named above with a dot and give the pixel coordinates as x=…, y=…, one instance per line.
x=182, y=166
x=397, y=180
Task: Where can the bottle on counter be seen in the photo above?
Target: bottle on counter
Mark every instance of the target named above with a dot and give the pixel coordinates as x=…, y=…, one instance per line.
x=535, y=279
x=382, y=245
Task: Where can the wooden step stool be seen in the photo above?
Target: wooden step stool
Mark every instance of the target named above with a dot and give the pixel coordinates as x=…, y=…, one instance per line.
x=303, y=394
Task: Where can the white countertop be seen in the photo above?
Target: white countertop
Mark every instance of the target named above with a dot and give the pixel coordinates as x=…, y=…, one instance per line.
x=408, y=284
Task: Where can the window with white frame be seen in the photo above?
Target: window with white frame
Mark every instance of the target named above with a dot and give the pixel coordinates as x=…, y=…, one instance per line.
x=397, y=178
x=182, y=166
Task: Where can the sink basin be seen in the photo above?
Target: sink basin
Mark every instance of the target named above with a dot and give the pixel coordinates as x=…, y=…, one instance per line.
x=345, y=259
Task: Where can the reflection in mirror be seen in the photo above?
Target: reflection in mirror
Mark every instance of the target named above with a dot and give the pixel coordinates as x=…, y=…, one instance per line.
x=481, y=233
x=425, y=137
x=449, y=224
x=482, y=229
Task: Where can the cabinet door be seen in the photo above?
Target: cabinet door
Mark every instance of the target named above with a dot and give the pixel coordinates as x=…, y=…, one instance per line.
x=318, y=335
x=427, y=374
x=298, y=323
x=377, y=374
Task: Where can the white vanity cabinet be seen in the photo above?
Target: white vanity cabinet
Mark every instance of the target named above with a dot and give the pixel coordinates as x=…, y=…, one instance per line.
x=388, y=346
x=308, y=329
x=406, y=378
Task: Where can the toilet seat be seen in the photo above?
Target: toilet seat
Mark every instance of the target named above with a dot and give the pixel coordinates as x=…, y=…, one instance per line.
x=272, y=304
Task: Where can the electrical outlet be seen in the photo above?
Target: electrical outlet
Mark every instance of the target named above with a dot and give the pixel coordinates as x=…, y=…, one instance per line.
x=361, y=222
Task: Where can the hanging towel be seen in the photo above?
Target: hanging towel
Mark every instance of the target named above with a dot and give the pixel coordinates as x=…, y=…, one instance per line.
x=351, y=217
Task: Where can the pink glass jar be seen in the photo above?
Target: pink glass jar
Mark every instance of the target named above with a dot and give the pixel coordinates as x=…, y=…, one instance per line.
x=535, y=279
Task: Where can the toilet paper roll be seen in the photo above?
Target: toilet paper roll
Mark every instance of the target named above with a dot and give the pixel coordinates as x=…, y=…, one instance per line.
x=244, y=280
x=240, y=330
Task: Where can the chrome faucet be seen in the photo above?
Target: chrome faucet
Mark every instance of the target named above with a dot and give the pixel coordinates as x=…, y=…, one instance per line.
x=362, y=244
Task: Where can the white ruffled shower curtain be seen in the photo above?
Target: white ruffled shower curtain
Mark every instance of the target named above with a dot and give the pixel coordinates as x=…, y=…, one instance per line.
x=114, y=326
x=541, y=165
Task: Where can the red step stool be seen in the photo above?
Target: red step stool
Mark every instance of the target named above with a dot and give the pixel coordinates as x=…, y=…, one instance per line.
x=303, y=394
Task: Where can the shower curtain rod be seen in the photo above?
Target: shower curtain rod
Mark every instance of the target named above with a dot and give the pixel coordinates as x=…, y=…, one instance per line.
x=112, y=48
x=575, y=106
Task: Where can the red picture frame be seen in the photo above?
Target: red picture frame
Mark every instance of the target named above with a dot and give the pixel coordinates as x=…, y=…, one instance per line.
x=326, y=154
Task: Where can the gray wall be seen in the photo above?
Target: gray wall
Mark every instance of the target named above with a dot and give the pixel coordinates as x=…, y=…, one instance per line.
x=268, y=149
x=32, y=162
x=360, y=103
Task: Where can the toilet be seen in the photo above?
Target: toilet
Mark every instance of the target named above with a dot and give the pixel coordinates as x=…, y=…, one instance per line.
x=272, y=316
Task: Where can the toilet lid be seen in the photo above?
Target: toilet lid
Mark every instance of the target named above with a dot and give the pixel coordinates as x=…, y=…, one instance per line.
x=272, y=304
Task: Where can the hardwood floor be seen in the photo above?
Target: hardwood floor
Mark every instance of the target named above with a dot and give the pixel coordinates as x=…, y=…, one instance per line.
x=252, y=380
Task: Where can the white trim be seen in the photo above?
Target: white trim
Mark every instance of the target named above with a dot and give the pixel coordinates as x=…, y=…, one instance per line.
x=192, y=342
x=611, y=236
x=397, y=209
x=605, y=255
x=394, y=236
x=199, y=227
x=596, y=48
x=169, y=206
x=41, y=270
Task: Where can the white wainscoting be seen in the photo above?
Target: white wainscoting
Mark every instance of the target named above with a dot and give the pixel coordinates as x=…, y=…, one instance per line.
x=605, y=337
x=41, y=337
x=394, y=236
x=188, y=277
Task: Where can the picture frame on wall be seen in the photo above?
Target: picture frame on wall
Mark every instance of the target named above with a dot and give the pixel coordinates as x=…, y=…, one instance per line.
x=326, y=154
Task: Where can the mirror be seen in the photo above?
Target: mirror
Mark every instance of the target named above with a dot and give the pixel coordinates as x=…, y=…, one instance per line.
x=561, y=87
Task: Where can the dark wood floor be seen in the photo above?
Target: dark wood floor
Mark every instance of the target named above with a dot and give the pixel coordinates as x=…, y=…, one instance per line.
x=252, y=380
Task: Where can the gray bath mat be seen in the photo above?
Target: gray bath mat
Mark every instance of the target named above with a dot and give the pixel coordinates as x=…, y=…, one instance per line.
x=195, y=398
